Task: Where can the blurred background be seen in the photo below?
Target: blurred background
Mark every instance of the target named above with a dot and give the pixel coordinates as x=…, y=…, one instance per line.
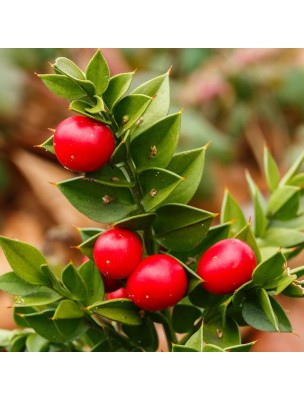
x=239, y=99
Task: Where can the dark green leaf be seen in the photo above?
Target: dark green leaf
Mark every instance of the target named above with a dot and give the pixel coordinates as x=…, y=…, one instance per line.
x=48, y=145
x=136, y=223
x=87, y=247
x=12, y=284
x=156, y=185
x=201, y=298
x=129, y=109
x=53, y=276
x=184, y=317
x=189, y=165
x=93, y=281
x=182, y=349
x=99, y=202
x=24, y=259
x=63, y=86
x=247, y=236
x=267, y=307
x=221, y=333
x=260, y=220
x=272, y=173
x=299, y=271
x=196, y=341
x=69, y=68
x=68, y=309
x=36, y=343
x=158, y=88
x=212, y=348
x=87, y=233
x=18, y=343
x=269, y=270
x=121, y=310
x=144, y=335
x=111, y=176
x=98, y=72
x=118, y=86
x=284, y=203
x=180, y=227
x=121, y=152
x=155, y=146
x=41, y=296
x=73, y=281
x=240, y=348
x=81, y=107
x=232, y=212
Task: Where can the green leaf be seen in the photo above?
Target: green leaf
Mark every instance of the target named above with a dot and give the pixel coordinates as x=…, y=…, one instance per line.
x=299, y=271
x=93, y=282
x=120, y=310
x=247, y=236
x=272, y=173
x=155, y=146
x=284, y=203
x=283, y=283
x=18, y=344
x=293, y=290
x=129, y=109
x=101, y=203
x=69, y=68
x=136, y=223
x=201, y=298
x=232, y=212
x=81, y=107
x=190, y=165
x=260, y=220
x=240, y=348
x=111, y=176
x=53, y=280
x=99, y=106
x=221, y=333
x=55, y=331
x=118, y=86
x=288, y=178
x=144, y=335
x=182, y=349
x=12, y=284
x=63, y=86
x=269, y=270
x=212, y=348
x=39, y=297
x=36, y=343
x=156, y=185
x=24, y=259
x=196, y=341
x=184, y=317
x=297, y=180
x=68, y=309
x=98, y=72
x=282, y=237
x=121, y=152
x=87, y=246
x=73, y=281
x=267, y=308
x=158, y=88
x=180, y=227
x=48, y=145
x=87, y=233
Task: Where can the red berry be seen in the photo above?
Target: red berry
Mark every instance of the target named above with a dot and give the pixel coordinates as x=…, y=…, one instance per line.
x=82, y=144
x=118, y=294
x=158, y=282
x=226, y=265
x=109, y=284
x=117, y=252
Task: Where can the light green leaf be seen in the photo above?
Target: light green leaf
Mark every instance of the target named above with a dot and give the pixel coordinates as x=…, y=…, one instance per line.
x=156, y=185
x=118, y=86
x=283, y=283
x=155, y=146
x=36, y=343
x=81, y=107
x=12, y=284
x=240, y=348
x=212, y=348
x=69, y=68
x=284, y=203
x=24, y=259
x=269, y=270
x=232, y=212
x=93, y=282
x=272, y=173
x=260, y=220
x=101, y=203
x=196, y=341
x=40, y=297
x=98, y=72
x=129, y=109
x=281, y=237
x=293, y=170
x=73, y=281
x=68, y=309
x=63, y=86
x=99, y=106
x=120, y=310
x=267, y=308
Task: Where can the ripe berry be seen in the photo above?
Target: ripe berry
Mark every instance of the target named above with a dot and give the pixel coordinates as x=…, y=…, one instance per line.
x=158, y=282
x=82, y=144
x=117, y=252
x=226, y=265
x=118, y=294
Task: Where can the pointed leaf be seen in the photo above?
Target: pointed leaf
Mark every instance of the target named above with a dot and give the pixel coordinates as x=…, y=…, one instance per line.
x=99, y=106
x=24, y=259
x=98, y=72
x=112, y=176
x=40, y=297
x=293, y=290
x=184, y=317
x=267, y=308
x=240, y=348
x=293, y=170
x=158, y=88
x=157, y=184
x=232, y=212
x=212, y=348
x=81, y=107
x=63, y=86
x=121, y=152
x=282, y=237
x=221, y=333
x=69, y=68
x=190, y=165
x=182, y=349
x=180, y=227
x=12, y=284
x=87, y=246
x=269, y=270
x=136, y=223
x=129, y=109
x=120, y=310
x=247, y=236
x=48, y=145
x=73, y=281
x=260, y=220
x=284, y=203
x=196, y=341
x=118, y=86
x=272, y=173
x=68, y=309
x=144, y=335
x=87, y=233
x=101, y=203
x=93, y=282
x=283, y=283
x=36, y=343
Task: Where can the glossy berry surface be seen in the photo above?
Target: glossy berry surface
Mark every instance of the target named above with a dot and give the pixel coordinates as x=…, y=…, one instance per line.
x=120, y=293
x=226, y=265
x=82, y=144
x=117, y=252
x=158, y=282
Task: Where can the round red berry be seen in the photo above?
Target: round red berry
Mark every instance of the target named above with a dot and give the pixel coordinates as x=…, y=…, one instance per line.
x=117, y=252
x=82, y=144
x=158, y=282
x=118, y=294
x=226, y=265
